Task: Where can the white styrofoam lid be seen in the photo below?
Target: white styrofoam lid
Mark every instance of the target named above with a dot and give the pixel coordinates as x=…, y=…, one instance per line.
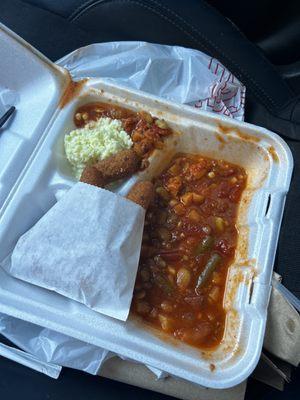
x=34, y=85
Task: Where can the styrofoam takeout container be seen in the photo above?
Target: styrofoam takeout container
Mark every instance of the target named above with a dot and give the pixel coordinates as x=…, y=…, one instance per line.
x=34, y=173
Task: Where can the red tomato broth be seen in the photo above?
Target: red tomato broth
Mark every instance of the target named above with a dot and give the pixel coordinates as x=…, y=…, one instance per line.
x=189, y=228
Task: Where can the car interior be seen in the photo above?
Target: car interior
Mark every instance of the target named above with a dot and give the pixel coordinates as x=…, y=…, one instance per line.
x=258, y=41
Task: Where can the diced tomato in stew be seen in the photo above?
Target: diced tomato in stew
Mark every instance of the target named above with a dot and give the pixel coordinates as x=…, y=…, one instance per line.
x=146, y=132
x=189, y=242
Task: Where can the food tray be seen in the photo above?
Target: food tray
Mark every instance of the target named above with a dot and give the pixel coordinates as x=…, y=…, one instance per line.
x=46, y=175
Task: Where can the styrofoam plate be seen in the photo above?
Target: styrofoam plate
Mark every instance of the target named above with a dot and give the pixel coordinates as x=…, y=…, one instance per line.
x=47, y=175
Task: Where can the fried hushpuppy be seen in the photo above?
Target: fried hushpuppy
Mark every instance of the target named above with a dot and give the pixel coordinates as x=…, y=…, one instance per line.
x=92, y=176
x=142, y=193
x=119, y=166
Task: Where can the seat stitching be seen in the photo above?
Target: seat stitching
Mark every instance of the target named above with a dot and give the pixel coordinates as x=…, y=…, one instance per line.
x=82, y=8
x=146, y=7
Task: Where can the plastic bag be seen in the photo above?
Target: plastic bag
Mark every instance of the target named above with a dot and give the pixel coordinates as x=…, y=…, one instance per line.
x=178, y=74
x=53, y=347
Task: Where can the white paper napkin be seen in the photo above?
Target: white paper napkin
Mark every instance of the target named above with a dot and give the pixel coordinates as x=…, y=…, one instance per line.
x=86, y=248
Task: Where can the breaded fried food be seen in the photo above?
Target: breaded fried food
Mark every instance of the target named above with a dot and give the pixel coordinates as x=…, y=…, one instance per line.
x=119, y=166
x=142, y=193
x=92, y=176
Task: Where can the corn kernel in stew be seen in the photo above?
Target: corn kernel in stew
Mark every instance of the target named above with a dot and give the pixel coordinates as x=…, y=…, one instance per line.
x=166, y=323
x=194, y=216
x=198, y=198
x=220, y=224
x=179, y=209
x=187, y=199
x=183, y=278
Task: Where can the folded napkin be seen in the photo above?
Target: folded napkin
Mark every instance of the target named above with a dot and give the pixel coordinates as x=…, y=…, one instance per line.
x=86, y=247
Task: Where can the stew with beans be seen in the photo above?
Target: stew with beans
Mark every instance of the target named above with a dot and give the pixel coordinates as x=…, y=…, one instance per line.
x=146, y=132
x=189, y=241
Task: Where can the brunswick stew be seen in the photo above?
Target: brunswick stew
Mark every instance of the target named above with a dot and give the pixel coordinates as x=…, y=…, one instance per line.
x=189, y=242
x=146, y=132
